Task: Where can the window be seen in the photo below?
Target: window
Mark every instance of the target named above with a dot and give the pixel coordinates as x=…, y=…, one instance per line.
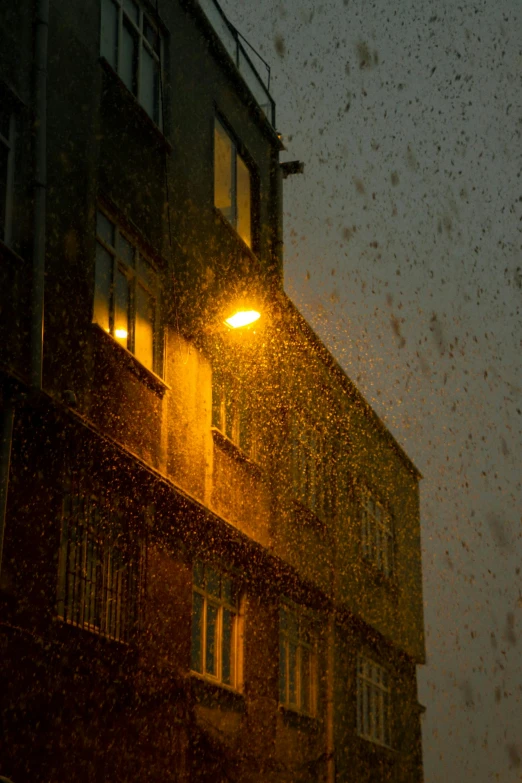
x=215, y=625
x=232, y=411
x=312, y=486
x=126, y=294
x=131, y=44
x=7, y=139
x=297, y=661
x=377, y=535
x=99, y=566
x=232, y=184
x=373, y=702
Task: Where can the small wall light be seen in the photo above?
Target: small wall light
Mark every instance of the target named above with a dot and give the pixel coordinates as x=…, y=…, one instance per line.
x=242, y=318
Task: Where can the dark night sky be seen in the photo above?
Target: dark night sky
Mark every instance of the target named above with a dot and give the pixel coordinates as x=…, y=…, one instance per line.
x=403, y=251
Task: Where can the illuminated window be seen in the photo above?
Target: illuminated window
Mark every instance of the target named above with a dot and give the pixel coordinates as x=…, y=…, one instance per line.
x=373, y=702
x=297, y=661
x=99, y=565
x=126, y=293
x=376, y=535
x=7, y=141
x=232, y=411
x=215, y=625
x=131, y=43
x=232, y=184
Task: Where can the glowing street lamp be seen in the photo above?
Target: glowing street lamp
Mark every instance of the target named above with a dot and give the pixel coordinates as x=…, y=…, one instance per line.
x=242, y=318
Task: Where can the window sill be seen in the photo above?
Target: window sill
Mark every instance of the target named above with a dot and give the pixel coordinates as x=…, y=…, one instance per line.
x=292, y=716
x=132, y=100
x=310, y=518
x=376, y=748
x=235, y=451
x=133, y=364
x=212, y=693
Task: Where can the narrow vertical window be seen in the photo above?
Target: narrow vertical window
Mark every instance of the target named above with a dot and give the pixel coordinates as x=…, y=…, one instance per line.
x=7, y=140
x=126, y=293
x=232, y=411
x=131, y=44
x=373, y=702
x=232, y=184
x=376, y=534
x=297, y=661
x=215, y=625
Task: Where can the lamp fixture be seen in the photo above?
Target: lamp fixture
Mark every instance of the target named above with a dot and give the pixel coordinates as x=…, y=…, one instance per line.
x=242, y=318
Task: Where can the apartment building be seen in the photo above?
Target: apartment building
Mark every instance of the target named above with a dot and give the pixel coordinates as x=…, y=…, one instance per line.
x=210, y=560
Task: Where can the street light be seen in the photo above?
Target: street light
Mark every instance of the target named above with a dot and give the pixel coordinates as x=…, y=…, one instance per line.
x=242, y=318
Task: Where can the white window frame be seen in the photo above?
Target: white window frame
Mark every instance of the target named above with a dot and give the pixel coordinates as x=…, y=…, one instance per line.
x=233, y=217
x=8, y=142
x=297, y=631
x=157, y=56
x=377, y=539
x=220, y=604
x=374, y=710
x=134, y=279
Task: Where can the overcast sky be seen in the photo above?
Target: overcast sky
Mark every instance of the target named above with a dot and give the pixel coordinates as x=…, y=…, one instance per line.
x=403, y=250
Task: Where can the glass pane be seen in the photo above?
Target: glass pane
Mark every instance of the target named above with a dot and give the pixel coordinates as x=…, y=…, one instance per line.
x=146, y=272
x=102, y=287
x=292, y=673
x=223, y=172
x=109, y=33
x=217, y=401
x=227, y=664
x=282, y=671
x=105, y=229
x=144, y=328
x=227, y=590
x=197, y=632
x=129, y=58
x=211, y=641
x=306, y=681
x=125, y=251
x=121, y=309
x=230, y=408
x=244, y=207
x=132, y=11
x=149, y=86
x=4, y=160
x=213, y=582
x=151, y=35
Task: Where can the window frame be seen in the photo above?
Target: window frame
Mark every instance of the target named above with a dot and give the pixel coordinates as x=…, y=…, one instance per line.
x=115, y=59
x=135, y=280
x=374, y=701
x=231, y=414
x=304, y=639
x=91, y=595
x=237, y=151
x=377, y=534
x=309, y=465
x=221, y=605
x=9, y=143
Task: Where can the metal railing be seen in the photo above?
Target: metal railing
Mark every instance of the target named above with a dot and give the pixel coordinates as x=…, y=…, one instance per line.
x=234, y=43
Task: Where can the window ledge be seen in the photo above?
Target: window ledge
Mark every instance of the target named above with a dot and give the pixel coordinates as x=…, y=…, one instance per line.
x=133, y=364
x=294, y=717
x=212, y=693
x=309, y=517
x=232, y=231
x=132, y=100
x=377, y=748
x=231, y=448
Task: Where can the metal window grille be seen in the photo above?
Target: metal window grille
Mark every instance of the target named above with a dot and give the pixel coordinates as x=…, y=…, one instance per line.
x=100, y=569
x=373, y=702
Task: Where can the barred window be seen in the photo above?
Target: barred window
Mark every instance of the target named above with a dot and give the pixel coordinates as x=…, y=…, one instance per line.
x=215, y=625
x=377, y=535
x=297, y=661
x=373, y=702
x=100, y=566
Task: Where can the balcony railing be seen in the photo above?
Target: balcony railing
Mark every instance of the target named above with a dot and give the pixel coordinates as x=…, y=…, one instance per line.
x=234, y=43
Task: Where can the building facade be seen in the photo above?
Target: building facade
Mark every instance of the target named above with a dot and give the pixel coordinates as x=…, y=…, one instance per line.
x=210, y=560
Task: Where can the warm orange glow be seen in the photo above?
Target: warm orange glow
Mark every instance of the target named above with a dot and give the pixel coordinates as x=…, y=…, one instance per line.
x=243, y=318
x=121, y=334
